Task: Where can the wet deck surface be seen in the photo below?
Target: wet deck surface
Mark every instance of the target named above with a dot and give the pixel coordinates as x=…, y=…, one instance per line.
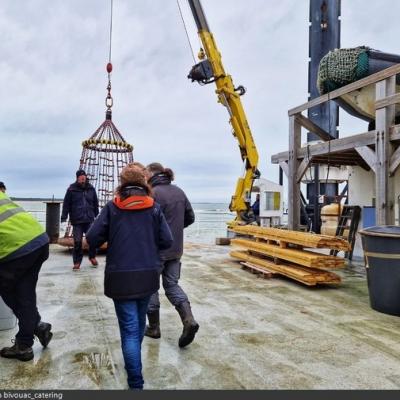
x=254, y=333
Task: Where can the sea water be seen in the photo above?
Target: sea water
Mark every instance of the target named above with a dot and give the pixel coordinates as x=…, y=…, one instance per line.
x=211, y=219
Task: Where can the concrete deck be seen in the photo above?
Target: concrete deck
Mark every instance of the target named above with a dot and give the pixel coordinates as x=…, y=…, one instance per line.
x=254, y=333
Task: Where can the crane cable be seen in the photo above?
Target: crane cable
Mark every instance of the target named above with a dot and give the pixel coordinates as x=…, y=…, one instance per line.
x=187, y=33
x=111, y=27
x=109, y=68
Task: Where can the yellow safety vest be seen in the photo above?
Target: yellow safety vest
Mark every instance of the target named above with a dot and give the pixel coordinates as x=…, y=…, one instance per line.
x=17, y=227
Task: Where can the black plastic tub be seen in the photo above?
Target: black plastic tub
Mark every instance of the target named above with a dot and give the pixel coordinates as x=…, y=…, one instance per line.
x=381, y=246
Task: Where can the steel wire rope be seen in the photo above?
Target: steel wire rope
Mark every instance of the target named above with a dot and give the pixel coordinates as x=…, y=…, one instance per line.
x=186, y=31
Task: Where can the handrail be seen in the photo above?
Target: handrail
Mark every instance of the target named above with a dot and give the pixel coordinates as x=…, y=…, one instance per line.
x=379, y=76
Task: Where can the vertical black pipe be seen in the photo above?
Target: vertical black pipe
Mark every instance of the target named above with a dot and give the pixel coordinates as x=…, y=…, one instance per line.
x=324, y=36
x=53, y=220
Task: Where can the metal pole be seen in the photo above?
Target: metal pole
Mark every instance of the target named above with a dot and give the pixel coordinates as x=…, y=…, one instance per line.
x=324, y=36
x=53, y=220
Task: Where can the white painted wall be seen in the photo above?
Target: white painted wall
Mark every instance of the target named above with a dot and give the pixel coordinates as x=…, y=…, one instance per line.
x=362, y=192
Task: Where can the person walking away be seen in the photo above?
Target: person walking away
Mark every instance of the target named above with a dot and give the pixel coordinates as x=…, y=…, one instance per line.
x=256, y=208
x=24, y=247
x=82, y=206
x=2, y=187
x=135, y=230
x=179, y=214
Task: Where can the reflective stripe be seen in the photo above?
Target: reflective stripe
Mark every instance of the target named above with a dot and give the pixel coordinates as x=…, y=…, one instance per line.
x=383, y=255
x=9, y=213
x=5, y=201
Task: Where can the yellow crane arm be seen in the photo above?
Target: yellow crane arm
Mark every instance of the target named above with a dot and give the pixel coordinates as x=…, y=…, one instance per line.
x=211, y=70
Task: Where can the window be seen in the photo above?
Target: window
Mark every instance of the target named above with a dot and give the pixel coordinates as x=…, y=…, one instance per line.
x=272, y=201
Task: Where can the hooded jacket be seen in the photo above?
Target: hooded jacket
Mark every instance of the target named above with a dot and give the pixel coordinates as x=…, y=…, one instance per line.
x=81, y=203
x=177, y=210
x=135, y=230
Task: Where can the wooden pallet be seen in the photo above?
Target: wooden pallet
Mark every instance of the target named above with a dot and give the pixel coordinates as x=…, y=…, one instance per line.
x=254, y=269
x=285, y=237
x=301, y=257
x=305, y=275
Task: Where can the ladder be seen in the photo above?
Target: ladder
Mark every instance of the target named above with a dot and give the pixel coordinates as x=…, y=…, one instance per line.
x=348, y=221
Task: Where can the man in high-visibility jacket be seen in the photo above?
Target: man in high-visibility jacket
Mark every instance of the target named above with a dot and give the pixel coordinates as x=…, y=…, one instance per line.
x=24, y=246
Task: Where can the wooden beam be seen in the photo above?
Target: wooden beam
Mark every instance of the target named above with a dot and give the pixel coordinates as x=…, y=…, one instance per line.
x=294, y=186
x=302, y=169
x=334, y=146
x=313, y=128
x=388, y=101
x=394, y=161
x=285, y=168
x=394, y=133
x=379, y=76
x=368, y=155
x=384, y=183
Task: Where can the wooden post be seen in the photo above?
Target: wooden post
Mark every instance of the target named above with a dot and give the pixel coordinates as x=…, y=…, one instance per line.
x=294, y=185
x=384, y=183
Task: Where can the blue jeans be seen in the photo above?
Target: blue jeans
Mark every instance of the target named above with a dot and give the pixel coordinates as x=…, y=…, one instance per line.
x=131, y=316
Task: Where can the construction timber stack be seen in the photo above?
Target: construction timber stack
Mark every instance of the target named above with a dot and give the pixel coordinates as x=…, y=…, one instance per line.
x=282, y=252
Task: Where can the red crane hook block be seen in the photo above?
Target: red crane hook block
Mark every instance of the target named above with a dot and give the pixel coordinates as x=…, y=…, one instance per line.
x=109, y=68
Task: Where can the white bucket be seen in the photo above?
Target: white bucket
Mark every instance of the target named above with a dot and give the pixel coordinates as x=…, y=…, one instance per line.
x=7, y=318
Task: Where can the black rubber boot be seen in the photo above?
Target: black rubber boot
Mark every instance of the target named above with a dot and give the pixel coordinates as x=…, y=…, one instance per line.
x=153, y=328
x=190, y=326
x=19, y=351
x=43, y=333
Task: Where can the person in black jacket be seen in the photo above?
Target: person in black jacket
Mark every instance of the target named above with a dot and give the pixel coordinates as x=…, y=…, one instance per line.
x=135, y=230
x=82, y=206
x=179, y=214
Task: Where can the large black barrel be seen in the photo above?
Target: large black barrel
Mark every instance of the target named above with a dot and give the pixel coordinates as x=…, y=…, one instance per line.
x=53, y=220
x=381, y=246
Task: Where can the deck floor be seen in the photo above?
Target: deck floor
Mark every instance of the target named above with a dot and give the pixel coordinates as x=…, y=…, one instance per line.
x=254, y=333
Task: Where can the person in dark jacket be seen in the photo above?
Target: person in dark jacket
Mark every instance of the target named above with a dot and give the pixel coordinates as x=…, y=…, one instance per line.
x=24, y=247
x=82, y=206
x=179, y=214
x=256, y=208
x=135, y=230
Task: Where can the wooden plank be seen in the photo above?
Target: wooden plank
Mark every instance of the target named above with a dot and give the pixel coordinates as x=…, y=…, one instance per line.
x=379, y=76
x=305, y=239
x=302, y=169
x=368, y=155
x=394, y=133
x=338, y=145
x=394, y=161
x=300, y=257
x=312, y=127
x=385, y=117
x=307, y=276
x=388, y=101
x=294, y=186
x=285, y=167
x=254, y=269
x=334, y=146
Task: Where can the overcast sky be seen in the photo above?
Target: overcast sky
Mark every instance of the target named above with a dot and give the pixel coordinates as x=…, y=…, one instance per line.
x=53, y=57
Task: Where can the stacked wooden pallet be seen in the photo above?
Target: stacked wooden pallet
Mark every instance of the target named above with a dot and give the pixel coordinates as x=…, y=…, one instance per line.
x=282, y=252
x=303, y=239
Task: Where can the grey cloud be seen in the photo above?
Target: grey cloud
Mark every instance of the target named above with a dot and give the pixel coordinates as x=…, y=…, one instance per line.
x=53, y=84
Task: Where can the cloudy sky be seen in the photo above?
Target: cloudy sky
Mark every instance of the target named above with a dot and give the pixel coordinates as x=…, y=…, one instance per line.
x=53, y=56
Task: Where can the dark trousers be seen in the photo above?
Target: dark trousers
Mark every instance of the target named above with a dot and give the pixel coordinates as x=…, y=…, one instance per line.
x=18, y=279
x=77, y=232
x=170, y=274
x=131, y=316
